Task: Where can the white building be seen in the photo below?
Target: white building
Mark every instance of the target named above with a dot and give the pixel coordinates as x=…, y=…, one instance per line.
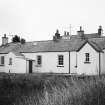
x=75, y=54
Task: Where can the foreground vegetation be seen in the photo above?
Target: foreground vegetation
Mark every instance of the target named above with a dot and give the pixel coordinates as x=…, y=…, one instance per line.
x=46, y=89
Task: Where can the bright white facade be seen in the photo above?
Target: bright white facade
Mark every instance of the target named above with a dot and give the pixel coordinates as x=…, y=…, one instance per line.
x=91, y=67
x=49, y=62
x=74, y=62
x=18, y=64
x=75, y=56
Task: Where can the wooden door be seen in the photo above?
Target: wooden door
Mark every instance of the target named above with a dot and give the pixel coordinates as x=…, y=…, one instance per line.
x=30, y=66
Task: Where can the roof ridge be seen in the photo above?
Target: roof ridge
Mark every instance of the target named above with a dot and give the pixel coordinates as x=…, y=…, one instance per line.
x=38, y=41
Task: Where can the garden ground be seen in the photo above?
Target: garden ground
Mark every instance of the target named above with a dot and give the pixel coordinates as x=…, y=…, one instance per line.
x=51, y=89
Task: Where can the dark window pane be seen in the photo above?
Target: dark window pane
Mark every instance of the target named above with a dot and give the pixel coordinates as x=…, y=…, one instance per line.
x=10, y=61
x=39, y=60
x=2, y=60
x=60, y=60
x=87, y=57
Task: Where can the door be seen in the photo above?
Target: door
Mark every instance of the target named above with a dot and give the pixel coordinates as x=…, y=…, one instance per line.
x=30, y=66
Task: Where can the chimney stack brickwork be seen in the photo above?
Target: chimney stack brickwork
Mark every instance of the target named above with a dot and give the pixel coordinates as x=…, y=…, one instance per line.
x=80, y=32
x=4, y=40
x=57, y=36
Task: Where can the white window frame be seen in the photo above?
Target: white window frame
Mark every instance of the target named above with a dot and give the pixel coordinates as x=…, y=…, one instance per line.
x=39, y=60
x=60, y=60
x=87, y=57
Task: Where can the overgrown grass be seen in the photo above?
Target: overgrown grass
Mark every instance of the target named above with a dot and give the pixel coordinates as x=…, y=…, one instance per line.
x=49, y=89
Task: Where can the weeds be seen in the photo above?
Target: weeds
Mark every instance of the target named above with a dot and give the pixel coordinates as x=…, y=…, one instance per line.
x=26, y=89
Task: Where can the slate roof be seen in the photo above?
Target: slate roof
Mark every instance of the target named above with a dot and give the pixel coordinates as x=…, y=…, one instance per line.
x=62, y=45
x=18, y=54
x=54, y=46
x=92, y=44
x=10, y=47
x=89, y=36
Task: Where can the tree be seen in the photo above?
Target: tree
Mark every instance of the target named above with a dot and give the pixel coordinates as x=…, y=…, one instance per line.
x=16, y=38
x=22, y=40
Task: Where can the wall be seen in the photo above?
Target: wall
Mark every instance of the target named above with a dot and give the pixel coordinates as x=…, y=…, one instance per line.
x=91, y=68
x=73, y=62
x=18, y=64
x=102, y=62
x=49, y=62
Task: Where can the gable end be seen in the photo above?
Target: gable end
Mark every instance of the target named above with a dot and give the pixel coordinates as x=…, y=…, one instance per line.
x=97, y=49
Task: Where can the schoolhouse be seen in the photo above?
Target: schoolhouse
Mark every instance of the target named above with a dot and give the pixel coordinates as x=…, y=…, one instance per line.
x=69, y=54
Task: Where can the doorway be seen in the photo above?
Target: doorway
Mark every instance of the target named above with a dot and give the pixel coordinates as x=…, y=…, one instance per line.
x=30, y=66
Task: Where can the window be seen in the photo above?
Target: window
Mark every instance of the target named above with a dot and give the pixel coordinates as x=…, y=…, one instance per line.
x=87, y=58
x=2, y=60
x=60, y=60
x=39, y=60
x=10, y=61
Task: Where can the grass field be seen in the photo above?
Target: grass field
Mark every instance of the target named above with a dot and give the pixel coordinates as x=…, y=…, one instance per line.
x=50, y=89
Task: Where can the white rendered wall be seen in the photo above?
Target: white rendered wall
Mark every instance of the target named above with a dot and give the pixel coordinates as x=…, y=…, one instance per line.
x=9, y=68
x=18, y=64
x=102, y=62
x=49, y=62
x=91, y=68
x=73, y=62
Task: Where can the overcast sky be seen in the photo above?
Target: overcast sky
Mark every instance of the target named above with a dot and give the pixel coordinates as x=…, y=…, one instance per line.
x=39, y=19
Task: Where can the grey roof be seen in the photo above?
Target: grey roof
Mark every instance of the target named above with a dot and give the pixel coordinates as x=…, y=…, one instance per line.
x=93, y=35
x=62, y=45
x=89, y=36
x=54, y=46
x=18, y=54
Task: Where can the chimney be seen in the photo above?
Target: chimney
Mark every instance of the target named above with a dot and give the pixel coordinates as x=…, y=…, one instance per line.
x=80, y=32
x=4, y=40
x=100, y=30
x=57, y=35
x=67, y=33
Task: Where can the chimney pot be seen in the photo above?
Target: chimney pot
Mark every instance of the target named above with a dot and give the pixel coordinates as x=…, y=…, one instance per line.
x=5, y=35
x=100, y=30
x=65, y=33
x=80, y=28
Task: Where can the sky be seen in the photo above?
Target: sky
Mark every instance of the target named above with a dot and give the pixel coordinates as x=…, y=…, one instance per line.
x=38, y=19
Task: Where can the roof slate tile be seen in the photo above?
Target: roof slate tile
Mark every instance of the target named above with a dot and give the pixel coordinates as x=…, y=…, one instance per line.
x=62, y=45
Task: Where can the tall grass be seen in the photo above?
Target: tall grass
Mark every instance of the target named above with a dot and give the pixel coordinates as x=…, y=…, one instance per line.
x=52, y=89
